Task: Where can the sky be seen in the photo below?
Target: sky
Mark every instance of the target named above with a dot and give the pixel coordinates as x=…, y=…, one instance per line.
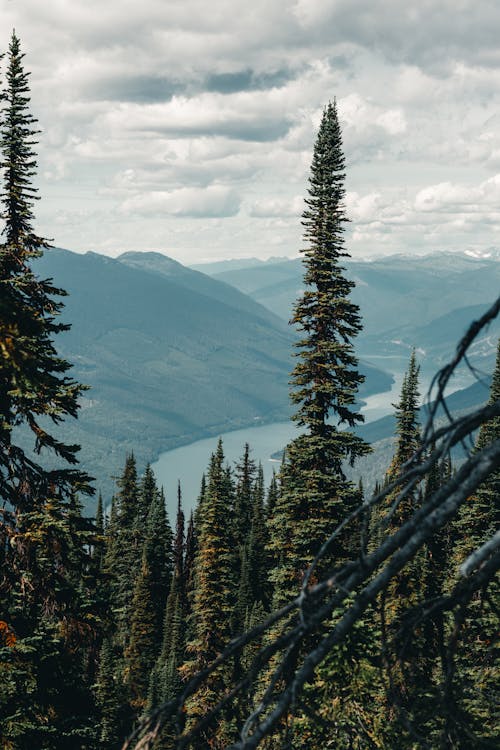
x=187, y=127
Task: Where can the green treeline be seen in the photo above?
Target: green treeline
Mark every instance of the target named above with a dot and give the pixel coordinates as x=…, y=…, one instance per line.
x=102, y=620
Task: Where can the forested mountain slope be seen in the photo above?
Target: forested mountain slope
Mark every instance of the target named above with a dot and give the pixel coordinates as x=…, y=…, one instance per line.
x=405, y=301
x=170, y=354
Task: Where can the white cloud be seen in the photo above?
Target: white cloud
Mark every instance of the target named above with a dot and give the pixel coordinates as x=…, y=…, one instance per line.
x=278, y=207
x=172, y=108
x=449, y=198
x=215, y=200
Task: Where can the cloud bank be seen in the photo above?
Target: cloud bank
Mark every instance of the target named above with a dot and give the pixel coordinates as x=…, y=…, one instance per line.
x=188, y=128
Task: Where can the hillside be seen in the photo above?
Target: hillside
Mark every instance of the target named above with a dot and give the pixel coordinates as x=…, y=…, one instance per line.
x=170, y=354
x=425, y=302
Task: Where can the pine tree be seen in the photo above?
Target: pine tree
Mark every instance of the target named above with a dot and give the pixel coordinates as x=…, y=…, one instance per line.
x=473, y=651
x=244, y=490
x=150, y=593
x=165, y=681
x=33, y=380
x=272, y=495
x=124, y=551
x=47, y=612
x=142, y=649
x=189, y=560
x=315, y=494
x=405, y=662
x=258, y=562
x=110, y=699
x=157, y=552
x=242, y=518
x=213, y=598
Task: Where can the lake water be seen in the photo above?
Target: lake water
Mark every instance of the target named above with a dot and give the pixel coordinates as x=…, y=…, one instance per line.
x=188, y=463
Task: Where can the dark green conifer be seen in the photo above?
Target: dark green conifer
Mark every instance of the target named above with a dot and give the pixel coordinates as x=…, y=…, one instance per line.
x=316, y=496
x=213, y=596
x=244, y=490
x=174, y=632
x=157, y=552
x=142, y=649
x=179, y=539
x=405, y=662
x=124, y=551
x=473, y=647
x=257, y=545
x=33, y=379
x=272, y=495
x=46, y=608
x=189, y=559
x=110, y=699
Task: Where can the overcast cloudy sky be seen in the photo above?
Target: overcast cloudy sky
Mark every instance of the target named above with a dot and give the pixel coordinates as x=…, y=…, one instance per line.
x=187, y=126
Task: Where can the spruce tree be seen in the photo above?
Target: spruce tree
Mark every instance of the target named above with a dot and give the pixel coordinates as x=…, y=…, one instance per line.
x=165, y=680
x=258, y=562
x=33, y=379
x=242, y=518
x=150, y=594
x=472, y=645
x=315, y=494
x=157, y=552
x=142, y=649
x=189, y=560
x=46, y=605
x=213, y=599
x=110, y=699
x=405, y=664
x=124, y=552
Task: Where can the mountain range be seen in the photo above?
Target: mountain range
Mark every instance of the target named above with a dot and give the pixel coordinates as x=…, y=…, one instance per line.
x=171, y=355
x=424, y=302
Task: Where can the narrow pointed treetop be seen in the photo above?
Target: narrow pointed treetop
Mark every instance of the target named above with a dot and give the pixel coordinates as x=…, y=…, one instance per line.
x=19, y=159
x=325, y=379
x=315, y=494
x=33, y=381
x=407, y=417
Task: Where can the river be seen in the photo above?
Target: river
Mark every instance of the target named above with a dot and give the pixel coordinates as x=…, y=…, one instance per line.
x=188, y=462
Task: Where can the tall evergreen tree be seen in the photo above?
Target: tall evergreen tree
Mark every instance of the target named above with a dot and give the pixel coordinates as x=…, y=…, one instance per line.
x=165, y=680
x=157, y=552
x=150, y=594
x=258, y=562
x=406, y=667
x=189, y=559
x=242, y=518
x=473, y=644
x=110, y=699
x=124, y=551
x=33, y=379
x=46, y=606
x=142, y=649
x=213, y=597
x=315, y=494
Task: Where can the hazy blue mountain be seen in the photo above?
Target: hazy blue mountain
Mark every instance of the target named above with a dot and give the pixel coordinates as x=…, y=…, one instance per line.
x=420, y=288
x=405, y=301
x=171, y=355
x=162, y=265
x=234, y=264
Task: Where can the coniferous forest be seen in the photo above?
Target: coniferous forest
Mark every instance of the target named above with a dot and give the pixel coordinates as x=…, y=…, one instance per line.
x=306, y=614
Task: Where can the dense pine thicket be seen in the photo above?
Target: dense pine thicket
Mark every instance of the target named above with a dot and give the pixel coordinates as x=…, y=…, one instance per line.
x=102, y=620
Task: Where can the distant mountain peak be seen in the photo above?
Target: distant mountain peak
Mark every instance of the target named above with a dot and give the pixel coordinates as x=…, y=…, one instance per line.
x=150, y=259
x=491, y=253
